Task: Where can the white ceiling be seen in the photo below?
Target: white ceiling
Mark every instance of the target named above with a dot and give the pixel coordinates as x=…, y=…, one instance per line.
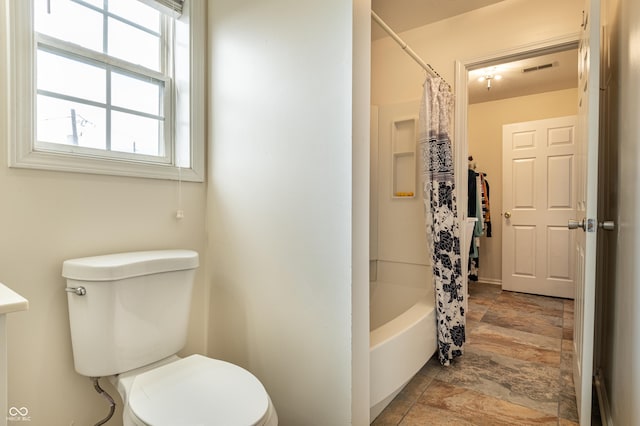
x=403, y=15
x=514, y=82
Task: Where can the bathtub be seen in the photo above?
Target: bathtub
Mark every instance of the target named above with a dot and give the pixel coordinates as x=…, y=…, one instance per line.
x=402, y=339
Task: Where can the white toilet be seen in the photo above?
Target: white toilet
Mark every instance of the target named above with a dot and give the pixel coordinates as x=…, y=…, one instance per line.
x=129, y=314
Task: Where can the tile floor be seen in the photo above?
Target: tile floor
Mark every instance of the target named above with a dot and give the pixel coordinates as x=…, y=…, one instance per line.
x=516, y=369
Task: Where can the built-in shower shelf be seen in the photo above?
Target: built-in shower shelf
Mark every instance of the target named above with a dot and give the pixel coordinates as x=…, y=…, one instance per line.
x=403, y=158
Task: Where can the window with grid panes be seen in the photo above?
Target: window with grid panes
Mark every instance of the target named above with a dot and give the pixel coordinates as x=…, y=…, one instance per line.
x=111, y=86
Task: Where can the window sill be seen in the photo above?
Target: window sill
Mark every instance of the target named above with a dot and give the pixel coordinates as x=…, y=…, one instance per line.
x=103, y=166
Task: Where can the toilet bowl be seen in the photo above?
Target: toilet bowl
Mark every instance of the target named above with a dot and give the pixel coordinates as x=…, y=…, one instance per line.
x=128, y=315
x=195, y=390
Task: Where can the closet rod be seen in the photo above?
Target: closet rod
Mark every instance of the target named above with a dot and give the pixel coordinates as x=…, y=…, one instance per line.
x=428, y=68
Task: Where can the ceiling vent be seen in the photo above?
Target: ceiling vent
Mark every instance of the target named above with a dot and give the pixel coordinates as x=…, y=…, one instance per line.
x=540, y=67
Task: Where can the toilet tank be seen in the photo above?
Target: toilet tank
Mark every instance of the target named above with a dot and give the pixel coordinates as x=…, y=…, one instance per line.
x=135, y=310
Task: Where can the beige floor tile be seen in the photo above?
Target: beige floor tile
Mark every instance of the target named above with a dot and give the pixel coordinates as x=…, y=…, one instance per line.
x=516, y=370
x=567, y=408
x=421, y=415
x=393, y=413
x=567, y=333
x=484, y=290
x=568, y=305
x=476, y=310
x=566, y=361
x=511, y=318
x=490, y=331
x=566, y=383
x=531, y=304
x=416, y=387
x=478, y=408
x=524, y=383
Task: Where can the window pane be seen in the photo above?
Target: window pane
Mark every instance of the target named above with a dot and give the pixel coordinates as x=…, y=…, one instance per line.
x=137, y=12
x=70, y=123
x=133, y=45
x=70, y=77
x=70, y=22
x=133, y=93
x=132, y=133
x=97, y=3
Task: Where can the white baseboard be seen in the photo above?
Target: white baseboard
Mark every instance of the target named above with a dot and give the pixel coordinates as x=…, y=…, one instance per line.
x=493, y=281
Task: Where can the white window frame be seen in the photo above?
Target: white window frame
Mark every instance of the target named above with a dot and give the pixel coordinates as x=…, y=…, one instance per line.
x=187, y=120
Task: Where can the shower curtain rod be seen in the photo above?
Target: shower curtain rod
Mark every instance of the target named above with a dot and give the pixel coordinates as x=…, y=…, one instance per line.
x=428, y=68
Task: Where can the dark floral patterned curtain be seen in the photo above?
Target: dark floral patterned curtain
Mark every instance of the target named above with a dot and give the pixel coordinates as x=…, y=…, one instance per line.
x=441, y=217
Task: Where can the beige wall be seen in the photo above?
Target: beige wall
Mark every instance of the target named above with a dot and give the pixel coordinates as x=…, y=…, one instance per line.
x=397, y=79
x=277, y=218
x=502, y=26
x=47, y=217
x=288, y=249
x=485, y=121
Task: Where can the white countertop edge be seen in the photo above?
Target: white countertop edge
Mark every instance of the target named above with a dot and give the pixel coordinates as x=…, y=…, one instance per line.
x=10, y=301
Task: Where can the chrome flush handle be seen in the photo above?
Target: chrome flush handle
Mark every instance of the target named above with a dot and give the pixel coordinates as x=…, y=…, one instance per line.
x=80, y=291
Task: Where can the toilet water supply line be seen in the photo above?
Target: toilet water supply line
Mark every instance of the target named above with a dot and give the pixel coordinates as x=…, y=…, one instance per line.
x=112, y=404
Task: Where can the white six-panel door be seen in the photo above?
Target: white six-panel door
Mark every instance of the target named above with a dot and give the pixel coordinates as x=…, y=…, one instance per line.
x=539, y=197
x=586, y=238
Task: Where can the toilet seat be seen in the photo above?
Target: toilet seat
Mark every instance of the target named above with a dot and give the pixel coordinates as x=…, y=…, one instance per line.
x=199, y=391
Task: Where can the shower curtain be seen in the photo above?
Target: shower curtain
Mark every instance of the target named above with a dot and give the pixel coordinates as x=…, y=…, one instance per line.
x=442, y=227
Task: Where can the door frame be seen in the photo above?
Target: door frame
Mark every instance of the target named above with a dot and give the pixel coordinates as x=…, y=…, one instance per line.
x=461, y=136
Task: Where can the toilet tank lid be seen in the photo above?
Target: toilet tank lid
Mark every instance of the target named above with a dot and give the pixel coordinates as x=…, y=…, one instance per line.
x=118, y=266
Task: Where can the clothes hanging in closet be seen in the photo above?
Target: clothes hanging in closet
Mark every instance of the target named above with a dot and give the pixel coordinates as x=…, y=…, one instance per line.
x=478, y=206
x=486, y=209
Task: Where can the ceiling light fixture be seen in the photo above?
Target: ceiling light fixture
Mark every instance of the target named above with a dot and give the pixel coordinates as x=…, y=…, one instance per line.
x=488, y=75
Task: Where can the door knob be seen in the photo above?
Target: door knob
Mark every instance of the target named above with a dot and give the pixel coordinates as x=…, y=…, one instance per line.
x=574, y=224
x=607, y=225
x=507, y=215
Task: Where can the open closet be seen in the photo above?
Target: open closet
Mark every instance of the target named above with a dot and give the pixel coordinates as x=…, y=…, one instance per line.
x=479, y=207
